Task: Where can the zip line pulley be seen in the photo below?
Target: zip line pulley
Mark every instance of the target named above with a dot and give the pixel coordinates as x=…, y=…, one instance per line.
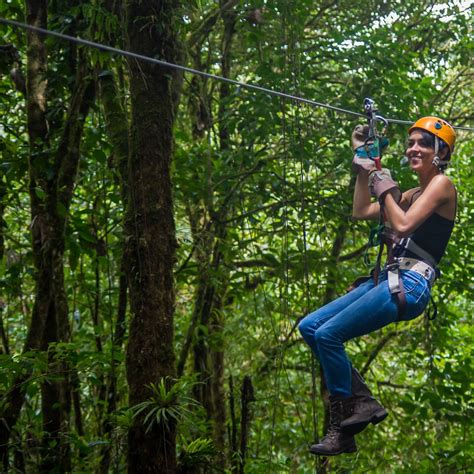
x=376, y=142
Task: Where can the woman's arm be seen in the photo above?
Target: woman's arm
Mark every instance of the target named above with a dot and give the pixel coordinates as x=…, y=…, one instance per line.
x=362, y=206
x=439, y=192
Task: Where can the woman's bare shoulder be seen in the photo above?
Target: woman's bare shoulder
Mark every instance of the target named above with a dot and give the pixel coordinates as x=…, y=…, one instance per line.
x=442, y=181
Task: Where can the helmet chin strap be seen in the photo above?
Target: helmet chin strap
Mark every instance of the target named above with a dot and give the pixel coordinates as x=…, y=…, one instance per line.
x=437, y=161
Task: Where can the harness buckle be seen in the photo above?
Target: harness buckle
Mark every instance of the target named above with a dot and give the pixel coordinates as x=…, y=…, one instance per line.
x=392, y=267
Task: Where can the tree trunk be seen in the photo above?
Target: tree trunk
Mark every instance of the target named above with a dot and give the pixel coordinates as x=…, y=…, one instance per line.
x=247, y=396
x=52, y=177
x=50, y=256
x=116, y=121
x=36, y=14
x=217, y=322
x=150, y=229
x=212, y=280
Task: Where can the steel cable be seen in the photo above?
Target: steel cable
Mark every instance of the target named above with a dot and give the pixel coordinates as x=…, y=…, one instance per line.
x=246, y=85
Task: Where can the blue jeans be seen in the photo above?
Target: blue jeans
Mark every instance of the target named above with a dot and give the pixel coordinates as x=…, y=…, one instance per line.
x=361, y=311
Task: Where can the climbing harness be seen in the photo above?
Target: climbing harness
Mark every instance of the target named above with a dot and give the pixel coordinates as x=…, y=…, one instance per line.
x=424, y=264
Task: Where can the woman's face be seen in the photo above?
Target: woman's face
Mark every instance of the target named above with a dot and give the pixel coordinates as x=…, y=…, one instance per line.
x=419, y=152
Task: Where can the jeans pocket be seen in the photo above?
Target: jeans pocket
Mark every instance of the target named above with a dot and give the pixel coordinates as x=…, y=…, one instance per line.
x=417, y=292
x=414, y=284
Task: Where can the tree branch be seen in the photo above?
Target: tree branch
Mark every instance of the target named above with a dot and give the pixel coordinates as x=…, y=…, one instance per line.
x=207, y=24
x=356, y=253
x=68, y=153
x=378, y=348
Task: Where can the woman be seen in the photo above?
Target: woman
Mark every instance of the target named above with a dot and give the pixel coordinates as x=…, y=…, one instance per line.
x=420, y=222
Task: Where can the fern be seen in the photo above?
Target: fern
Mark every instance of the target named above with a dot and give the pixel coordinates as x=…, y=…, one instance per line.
x=167, y=404
x=199, y=452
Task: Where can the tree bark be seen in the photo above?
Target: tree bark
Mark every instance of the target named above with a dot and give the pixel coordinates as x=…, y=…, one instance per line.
x=57, y=400
x=36, y=14
x=117, y=127
x=247, y=396
x=52, y=177
x=150, y=228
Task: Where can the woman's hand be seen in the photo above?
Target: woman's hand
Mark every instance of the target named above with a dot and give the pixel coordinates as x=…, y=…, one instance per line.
x=365, y=150
x=359, y=139
x=381, y=183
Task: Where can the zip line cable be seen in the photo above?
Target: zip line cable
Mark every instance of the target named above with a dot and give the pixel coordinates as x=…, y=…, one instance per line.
x=246, y=85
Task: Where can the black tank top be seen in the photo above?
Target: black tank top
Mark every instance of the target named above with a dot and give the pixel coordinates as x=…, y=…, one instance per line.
x=433, y=236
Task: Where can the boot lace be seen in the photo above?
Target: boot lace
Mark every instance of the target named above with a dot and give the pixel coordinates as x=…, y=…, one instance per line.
x=335, y=421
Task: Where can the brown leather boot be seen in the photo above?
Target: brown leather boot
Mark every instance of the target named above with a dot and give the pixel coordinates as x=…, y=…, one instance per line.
x=335, y=442
x=362, y=409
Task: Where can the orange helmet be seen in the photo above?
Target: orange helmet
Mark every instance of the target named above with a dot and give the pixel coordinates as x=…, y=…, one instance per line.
x=438, y=127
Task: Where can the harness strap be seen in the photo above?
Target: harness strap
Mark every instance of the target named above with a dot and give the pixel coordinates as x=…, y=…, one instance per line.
x=395, y=285
x=422, y=268
x=409, y=244
x=378, y=261
x=425, y=265
x=437, y=161
x=393, y=276
x=376, y=271
x=389, y=234
x=401, y=299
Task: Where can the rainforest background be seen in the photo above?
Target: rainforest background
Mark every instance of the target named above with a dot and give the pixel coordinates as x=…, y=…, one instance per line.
x=163, y=233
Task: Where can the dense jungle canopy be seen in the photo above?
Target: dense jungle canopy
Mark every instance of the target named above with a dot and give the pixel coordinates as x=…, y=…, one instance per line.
x=161, y=234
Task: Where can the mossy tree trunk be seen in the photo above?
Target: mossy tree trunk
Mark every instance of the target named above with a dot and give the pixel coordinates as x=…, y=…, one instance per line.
x=52, y=172
x=116, y=121
x=150, y=228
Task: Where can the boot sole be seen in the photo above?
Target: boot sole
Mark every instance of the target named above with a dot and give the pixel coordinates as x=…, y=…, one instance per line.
x=325, y=453
x=379, y=416
x=359, y=426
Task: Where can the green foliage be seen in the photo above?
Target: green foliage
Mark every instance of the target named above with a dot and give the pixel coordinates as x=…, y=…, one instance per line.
x=282, y=185
x=168, y=403
x=196, y=454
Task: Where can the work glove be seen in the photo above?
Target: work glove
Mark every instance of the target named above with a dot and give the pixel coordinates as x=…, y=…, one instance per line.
x=364, y=151
x=359, y=136
x=381, y=183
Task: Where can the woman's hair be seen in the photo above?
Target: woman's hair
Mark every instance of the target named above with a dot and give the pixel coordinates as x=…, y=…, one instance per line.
x=429, y=141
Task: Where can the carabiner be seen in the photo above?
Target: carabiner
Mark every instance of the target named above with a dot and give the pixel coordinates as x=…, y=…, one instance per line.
x=374, y=136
